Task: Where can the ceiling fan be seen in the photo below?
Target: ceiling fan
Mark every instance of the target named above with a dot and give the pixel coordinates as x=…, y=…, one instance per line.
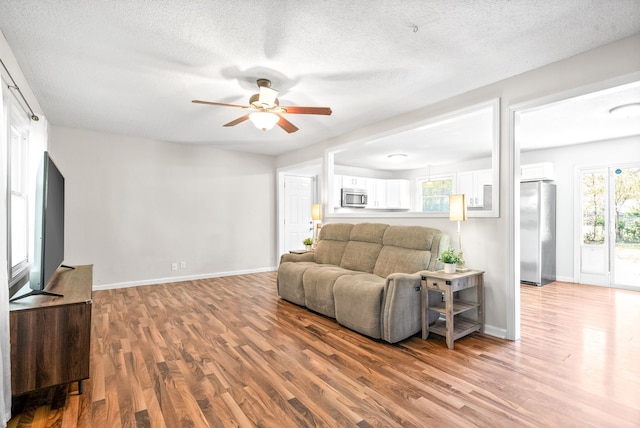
x=266, y=110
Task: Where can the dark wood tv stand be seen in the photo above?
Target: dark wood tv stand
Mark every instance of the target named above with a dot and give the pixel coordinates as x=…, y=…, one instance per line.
x=51, y=336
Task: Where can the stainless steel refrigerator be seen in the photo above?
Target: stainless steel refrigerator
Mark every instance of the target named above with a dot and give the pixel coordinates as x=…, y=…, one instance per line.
x=537, y=232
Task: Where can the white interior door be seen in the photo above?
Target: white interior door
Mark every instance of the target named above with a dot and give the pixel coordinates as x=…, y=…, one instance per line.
x=298, y=197
x=610, y=229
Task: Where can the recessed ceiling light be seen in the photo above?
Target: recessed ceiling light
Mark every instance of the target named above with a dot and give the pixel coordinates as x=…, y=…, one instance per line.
x=397, y=156
x=626, y=110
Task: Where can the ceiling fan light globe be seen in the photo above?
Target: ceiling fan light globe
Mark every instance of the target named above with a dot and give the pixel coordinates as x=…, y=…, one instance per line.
x=264, y=120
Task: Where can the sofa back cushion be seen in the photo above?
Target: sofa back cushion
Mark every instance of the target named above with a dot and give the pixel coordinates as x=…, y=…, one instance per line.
x=332, y=243
x=403, y=260
x=363, y=248
x=406, y=249
x=412, y=237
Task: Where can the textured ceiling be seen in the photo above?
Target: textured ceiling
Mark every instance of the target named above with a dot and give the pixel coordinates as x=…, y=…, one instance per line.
x=132, y=67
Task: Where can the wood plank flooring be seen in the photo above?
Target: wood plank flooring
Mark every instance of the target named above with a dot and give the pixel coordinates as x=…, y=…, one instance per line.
x=228, y=352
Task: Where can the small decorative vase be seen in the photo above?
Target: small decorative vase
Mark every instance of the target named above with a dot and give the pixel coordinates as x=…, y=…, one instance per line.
x=307, y=247
x=449, y=268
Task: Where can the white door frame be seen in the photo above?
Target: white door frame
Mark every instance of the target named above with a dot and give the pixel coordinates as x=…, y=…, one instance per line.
x=513, y=190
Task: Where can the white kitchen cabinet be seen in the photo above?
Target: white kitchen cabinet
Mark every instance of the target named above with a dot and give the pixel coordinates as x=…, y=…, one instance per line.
x=472, y=183
x=376, y=193
x=388, y=193
x=536, y=172
x=350, y=182
x=397, y=194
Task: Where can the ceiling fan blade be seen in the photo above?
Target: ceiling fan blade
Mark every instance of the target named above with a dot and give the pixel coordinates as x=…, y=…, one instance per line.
x=218, y=104
x=267, y=96
x=286, y=125
x=306, y=110
x=237, y=121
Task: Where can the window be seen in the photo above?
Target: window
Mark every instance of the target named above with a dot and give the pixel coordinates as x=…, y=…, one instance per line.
x=434, y=193
x=593, y=207
x=18, y=198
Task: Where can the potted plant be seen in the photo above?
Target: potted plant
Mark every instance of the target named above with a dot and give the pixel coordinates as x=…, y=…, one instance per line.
x=308, y=242
x=450, y=258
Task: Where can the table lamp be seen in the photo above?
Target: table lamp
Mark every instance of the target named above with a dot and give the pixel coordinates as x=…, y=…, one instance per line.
x=316, y=216
x=458, y=212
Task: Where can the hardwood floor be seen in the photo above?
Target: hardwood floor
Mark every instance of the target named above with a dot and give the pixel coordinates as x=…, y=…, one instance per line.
x=227, y=352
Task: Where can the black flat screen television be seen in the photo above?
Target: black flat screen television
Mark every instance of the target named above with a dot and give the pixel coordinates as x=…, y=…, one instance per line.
x=48, y=229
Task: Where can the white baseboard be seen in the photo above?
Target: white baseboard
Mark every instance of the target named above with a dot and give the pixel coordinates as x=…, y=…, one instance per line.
x=491, y=330
x=179, y=278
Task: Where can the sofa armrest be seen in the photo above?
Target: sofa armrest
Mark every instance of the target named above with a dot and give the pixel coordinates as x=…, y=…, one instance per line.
x=401, y=310
x=406, y=278
x=294, y=257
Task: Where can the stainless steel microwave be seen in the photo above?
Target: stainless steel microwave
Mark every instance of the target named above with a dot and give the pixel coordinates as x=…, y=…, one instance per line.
x=354, y=198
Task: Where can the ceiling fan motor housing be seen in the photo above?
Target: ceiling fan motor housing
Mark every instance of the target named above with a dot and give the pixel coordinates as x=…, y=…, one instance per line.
x=255, y=101
x=264, y=82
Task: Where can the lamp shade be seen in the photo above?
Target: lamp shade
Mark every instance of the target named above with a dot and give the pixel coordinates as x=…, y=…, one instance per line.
x=264, y=120
x=315, y=212
x=457, y=208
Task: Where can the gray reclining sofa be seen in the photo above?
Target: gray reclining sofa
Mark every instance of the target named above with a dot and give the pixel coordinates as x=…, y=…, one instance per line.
x=366, y=276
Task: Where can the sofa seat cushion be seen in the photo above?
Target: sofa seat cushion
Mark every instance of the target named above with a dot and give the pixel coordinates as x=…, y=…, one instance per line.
x=289, y=280
x=318, y=287
x=358, y=302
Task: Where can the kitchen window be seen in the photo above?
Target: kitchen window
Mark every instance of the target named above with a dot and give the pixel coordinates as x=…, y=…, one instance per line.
x=434, y=193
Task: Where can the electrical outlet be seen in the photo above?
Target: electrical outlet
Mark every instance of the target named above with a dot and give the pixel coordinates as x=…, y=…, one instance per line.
x=183, y=265
x=174, y=266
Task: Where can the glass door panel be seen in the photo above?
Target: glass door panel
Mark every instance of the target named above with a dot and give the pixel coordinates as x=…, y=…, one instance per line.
x=610, y=229
x=626, y=218
x=594, y=249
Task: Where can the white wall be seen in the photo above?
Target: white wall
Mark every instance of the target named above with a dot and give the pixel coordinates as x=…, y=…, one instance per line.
x=492, y=244
x=135, y=206
x=566, y=160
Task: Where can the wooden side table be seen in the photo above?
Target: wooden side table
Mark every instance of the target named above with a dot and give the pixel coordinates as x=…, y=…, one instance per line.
x=455, y=325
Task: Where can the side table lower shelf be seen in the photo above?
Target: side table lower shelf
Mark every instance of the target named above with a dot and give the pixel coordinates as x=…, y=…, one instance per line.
x=461, y=327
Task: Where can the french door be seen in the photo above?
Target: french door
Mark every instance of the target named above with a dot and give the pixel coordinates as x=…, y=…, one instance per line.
x=610, y=226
